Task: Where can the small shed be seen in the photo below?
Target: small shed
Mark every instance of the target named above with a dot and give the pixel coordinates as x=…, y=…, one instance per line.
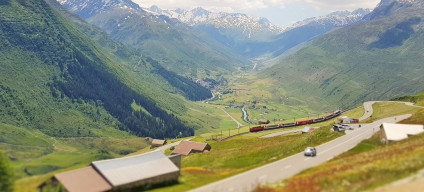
x=158, y=142
x=395, y=132
x=307, y=130
x=187, y=147
x=263, y=121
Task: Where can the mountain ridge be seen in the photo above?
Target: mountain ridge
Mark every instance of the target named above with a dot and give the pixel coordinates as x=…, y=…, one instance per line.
x=69, y=70
x=374, y=59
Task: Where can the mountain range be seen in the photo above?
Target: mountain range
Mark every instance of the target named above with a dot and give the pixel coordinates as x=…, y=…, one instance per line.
x=252, y=36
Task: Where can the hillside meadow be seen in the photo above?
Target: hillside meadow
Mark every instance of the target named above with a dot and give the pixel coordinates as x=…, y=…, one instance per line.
x=367, y=166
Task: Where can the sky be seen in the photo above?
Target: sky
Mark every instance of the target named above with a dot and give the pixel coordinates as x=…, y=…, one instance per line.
x=283, y=13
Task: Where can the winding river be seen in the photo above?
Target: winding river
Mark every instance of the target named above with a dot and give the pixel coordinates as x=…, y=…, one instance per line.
x=245, y=115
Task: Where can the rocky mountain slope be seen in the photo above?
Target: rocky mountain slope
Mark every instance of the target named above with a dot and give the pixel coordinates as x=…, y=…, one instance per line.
x=173, y=44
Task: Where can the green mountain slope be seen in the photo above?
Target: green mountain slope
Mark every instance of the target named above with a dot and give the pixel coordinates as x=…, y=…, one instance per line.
x=374, y=60
x=66, y=101
x=170, y=81
x=55, y=80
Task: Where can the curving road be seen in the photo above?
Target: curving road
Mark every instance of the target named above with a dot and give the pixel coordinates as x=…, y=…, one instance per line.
x=369, y=110
x=294, y=164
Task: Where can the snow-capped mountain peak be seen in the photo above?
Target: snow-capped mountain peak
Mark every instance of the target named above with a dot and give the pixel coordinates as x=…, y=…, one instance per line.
x=246, y=25
x=88, y=8
x=336, y=19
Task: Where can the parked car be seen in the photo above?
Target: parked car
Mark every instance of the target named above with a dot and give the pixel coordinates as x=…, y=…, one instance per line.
x=310, y=151
x=346, y=126
x=339, y=128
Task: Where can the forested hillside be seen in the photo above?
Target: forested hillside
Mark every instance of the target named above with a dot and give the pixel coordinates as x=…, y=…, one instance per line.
x=142, y=67
x=56, y=80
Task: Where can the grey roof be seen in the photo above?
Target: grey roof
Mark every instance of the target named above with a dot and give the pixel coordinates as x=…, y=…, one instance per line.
x=127, y=170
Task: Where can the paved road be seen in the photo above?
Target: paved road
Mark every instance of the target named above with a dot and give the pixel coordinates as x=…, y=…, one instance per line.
x=292, y=165
x=369, y=110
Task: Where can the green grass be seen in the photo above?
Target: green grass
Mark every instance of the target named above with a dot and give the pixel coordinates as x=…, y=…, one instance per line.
x=418, y=99
x=387, y=109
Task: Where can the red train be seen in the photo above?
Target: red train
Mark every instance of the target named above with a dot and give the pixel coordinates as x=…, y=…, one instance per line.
x=297, y=123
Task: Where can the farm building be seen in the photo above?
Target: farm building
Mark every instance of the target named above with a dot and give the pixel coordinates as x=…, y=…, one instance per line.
x=129, y=172
x=122, y=173
x=396, y=132
x=187, y=147
x=263, y=121
x=158, y=142
x=81, y=180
